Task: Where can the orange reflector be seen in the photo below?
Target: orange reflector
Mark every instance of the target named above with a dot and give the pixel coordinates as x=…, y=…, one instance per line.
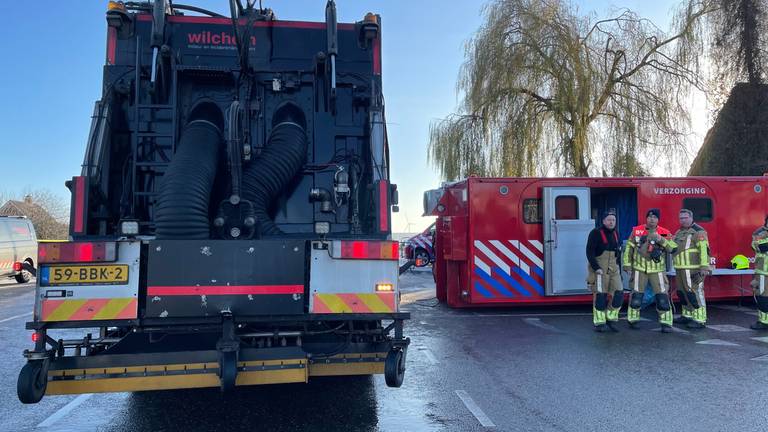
x=70, y=252
x=116, y=5
x=374, y=250
x=371, y=18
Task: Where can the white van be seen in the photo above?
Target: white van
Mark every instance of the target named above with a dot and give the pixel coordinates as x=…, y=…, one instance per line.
x=18, y=244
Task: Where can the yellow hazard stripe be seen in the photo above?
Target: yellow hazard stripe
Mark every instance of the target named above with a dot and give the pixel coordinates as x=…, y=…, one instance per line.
x=354, y=303
x=89, y=309
x=375, y=303
x=65, y=310
x=334, y=303
x=112, y=309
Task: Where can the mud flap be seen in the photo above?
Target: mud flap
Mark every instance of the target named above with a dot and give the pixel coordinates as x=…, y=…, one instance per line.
x=245, y=278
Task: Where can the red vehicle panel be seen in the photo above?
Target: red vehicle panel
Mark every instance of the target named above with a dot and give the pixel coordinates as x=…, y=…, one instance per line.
x=508, y=241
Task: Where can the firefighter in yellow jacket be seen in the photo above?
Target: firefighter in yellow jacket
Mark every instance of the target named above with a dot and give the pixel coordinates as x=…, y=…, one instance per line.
x=760, y=246
x=643, y=258
x=690, y=257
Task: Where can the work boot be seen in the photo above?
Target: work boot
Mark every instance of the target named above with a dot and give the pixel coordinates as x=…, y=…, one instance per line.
x=681, y=320
x=612, y=326
x=695, y=325
x=666, y=328
x=759, y=326
x=601, y=328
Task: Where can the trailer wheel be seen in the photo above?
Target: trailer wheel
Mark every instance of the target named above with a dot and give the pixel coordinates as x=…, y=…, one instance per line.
x=228, y=372
x=33, y=380
x=394, y=368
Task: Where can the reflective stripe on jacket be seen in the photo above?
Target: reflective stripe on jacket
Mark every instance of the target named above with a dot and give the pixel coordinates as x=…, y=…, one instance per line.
x=691, y=248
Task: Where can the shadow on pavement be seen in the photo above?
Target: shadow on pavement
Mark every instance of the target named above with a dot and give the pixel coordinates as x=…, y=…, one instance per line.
x=325, y=404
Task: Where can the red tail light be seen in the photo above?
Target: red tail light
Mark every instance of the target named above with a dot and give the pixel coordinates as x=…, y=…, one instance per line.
x=76, y=252
x=373, y=250
x=17, y=266
x=35, y=337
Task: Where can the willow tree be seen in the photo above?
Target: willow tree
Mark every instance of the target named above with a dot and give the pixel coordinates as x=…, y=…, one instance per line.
x=547, y=90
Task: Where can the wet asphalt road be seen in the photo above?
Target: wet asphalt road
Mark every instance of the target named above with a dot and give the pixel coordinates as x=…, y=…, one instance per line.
x=507, y=370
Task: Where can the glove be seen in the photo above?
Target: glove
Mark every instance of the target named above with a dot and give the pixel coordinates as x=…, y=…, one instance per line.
x=704, y=272
x=627, y=269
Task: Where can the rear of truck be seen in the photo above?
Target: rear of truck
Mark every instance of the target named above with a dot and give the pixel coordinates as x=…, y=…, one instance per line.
x=231, y=223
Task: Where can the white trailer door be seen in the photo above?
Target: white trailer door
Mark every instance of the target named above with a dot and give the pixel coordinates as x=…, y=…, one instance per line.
x=567, y=224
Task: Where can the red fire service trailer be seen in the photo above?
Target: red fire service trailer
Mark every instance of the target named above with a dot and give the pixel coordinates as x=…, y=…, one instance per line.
x=522, y=241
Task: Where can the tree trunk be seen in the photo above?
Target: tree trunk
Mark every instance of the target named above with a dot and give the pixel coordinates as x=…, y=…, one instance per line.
x=579, y=155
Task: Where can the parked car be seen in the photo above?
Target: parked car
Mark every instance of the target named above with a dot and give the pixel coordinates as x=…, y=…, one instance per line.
x=420, y=247
x=18, y=244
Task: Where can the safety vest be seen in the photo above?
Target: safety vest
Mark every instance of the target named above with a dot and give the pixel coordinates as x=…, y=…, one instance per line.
x=691, y=248
x=760, y=238
x=637, y=254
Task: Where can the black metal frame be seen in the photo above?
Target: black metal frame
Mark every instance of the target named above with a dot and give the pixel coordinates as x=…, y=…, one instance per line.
x=216, y=321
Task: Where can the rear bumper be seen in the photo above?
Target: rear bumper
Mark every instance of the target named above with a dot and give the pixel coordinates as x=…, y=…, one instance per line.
x=198, y=369
x=163, y=354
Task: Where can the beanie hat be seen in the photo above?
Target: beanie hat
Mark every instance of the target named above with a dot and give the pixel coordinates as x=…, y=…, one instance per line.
x=654, y=211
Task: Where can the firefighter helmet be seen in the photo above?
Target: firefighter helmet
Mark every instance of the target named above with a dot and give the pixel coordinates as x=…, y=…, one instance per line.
x=740, y=262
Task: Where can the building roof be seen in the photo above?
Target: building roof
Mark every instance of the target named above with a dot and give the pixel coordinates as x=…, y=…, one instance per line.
x=21, y=208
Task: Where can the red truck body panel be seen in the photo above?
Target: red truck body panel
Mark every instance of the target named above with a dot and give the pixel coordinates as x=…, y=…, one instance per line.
x=488, y=255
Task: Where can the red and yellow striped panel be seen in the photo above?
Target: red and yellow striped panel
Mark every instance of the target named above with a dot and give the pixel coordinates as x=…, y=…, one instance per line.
x=89, y=309
x=354, y=303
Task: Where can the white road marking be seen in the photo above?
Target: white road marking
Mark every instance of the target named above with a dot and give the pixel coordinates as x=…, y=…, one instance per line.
x=674, y=329
x=761, y=339
x=761, y=358
x=431, y=359
x=66, y=409
x=14, y=317
x=536, y=322
x=727, y=328
x=484, y=420
x=717, y=342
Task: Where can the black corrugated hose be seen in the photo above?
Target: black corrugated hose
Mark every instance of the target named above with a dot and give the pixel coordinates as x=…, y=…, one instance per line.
x=278, y=164
x=185, y=190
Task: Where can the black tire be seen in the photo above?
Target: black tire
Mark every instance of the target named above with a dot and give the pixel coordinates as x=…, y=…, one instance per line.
x=24, y=276
x=228, y=365
x=423, y=254
x=394, y=368
x=32, y=382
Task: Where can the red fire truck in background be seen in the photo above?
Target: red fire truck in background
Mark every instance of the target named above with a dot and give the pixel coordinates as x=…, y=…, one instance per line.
x=521, y=241
x=419, y=248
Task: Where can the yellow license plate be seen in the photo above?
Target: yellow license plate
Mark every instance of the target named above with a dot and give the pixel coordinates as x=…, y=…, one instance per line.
x=90, y=274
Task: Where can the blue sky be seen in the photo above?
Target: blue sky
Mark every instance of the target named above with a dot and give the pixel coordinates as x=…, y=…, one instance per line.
x=53, y=58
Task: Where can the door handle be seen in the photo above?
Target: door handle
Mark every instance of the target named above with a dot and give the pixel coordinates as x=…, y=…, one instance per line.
x=554, y=232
